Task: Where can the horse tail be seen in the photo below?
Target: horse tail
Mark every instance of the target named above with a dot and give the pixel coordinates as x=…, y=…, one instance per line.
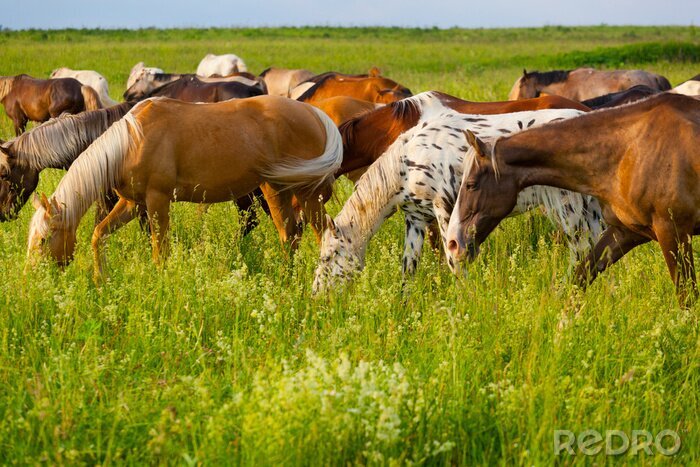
x=91, y=98
x=312, y=173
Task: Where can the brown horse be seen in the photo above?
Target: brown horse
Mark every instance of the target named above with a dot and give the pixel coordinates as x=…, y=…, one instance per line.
x=146, y=83
x=281, y=81
x=615, y=99
x=166, y=150
x=365, y=87
x=642, y=161
x=583, y=83
x=192, y=89
x=51, y=145
x=26, y=98
x=343, y=108
x=367, y=137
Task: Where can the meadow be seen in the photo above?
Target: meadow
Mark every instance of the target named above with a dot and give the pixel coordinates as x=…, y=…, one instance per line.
x=222, y=356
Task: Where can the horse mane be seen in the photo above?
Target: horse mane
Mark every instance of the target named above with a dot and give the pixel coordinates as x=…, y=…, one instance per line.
x=264, y=72
x=550, y=77
x=60, y=140
x=308, y=94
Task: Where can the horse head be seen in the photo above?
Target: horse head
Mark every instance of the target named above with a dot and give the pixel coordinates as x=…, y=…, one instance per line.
x=337, y=261
x=48, y=230
x=483, y=200
x=525, y=87
x=17, y=182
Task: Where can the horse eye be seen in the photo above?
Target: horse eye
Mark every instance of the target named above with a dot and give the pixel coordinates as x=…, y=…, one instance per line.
x=472, y=186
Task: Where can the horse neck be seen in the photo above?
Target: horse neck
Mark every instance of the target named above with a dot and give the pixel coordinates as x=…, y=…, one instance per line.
x=371, y=202
x=577, y=160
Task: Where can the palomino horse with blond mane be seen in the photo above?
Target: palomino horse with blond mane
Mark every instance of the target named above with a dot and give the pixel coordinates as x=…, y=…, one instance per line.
x=165, y=150
x=26, y=98
x=642, y=161
x=420, y=173
x=583, y=83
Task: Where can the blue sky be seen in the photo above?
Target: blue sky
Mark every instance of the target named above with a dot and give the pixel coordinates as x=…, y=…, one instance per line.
x=21, y=14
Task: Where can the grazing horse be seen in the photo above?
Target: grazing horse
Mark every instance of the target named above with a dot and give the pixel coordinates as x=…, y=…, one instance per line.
x=51, y=145
x=642, y=161
x=421, y=173
x=281, y=81
x=689, y=88
x=368, y=136
x=165, y=150
x=343, y=108
x=615, y=99
x=26, y=98
x=138, y=70
x=191, y=89
x=583, y=83
x=147, y=83
x=222, y=65
x=368, y=88
x=88, y=78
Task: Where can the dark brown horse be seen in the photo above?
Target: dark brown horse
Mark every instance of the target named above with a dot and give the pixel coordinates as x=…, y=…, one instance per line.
x=583, y=83
x=368, y=136
x=641, y=161
x=615, y=99
x=147, y=83
x=26, y=98
x=372, y=88
x=192, y=89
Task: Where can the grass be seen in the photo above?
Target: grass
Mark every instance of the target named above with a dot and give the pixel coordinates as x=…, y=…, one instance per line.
x=222, y=357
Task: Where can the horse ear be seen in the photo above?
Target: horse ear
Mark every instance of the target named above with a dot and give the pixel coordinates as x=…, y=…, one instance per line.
x=331, y=226
x=37, y=201
x=479, y=146
x=524, y=72
x=374, y=72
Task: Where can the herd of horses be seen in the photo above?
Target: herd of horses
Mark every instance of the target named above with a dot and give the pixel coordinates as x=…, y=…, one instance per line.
x=611, y=157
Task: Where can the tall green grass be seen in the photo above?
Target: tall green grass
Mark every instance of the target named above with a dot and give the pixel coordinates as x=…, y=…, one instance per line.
x=222, y=357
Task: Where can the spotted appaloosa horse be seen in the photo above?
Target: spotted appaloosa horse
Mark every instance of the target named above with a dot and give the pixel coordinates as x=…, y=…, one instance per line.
x=420, y=173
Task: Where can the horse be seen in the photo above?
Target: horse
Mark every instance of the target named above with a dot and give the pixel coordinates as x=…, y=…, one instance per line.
x=147, y=83
x=421, y=173
x=26, y=98
x=222, y=65
x=88, y=78
x=616, y=99
x=640, y=160
x=583, y=83
x=343, y=108
x=689, y=88
x=166, y=150
x=51, y=145
x=191, y=89
x=281, y=81
x=366, y=87
x=138, y=70
x=368, y=136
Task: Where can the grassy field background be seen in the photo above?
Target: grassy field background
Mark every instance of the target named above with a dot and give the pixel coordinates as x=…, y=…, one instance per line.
x=222, y=356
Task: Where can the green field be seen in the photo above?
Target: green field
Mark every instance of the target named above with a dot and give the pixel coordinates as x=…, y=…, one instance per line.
x=222, y=356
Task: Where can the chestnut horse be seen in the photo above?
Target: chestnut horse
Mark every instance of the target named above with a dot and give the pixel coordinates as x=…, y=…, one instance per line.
x=583, y=83
x=165, y=150
x=26, y=98
x=642, y=161
x=368, y=88
x=367, y=137
x=281, y=81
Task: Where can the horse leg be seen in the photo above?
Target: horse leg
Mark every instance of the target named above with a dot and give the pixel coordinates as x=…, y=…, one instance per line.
x=246, y=207
x=158, y=208
x=123, y=212
x=313, y=207
x=20, y=120
x=612, y=245
x=677, y=248
x=282, y=213
x=434, y=236
x=413, y=243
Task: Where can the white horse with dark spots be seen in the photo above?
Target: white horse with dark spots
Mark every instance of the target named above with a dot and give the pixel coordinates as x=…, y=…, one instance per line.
x=421, y=173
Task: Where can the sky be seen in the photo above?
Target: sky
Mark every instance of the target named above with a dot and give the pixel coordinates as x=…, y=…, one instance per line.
x=55, y=14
